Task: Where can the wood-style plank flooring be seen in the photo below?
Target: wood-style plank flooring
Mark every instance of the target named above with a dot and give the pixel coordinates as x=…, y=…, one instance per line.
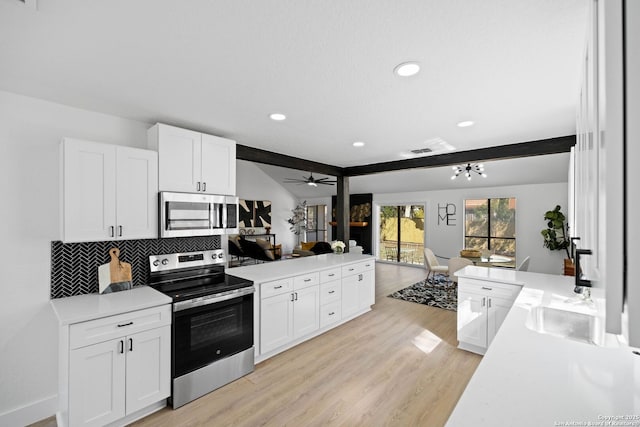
x=396, y=365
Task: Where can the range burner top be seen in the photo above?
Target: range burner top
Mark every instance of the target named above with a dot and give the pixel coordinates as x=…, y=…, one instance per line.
x=192, y=275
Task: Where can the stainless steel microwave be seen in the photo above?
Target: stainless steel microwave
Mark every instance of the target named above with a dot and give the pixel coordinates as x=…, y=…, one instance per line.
x=193, y=214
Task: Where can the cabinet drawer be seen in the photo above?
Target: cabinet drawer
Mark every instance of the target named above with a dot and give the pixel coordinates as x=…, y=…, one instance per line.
x=306, y=280
x=107, y=328
x=330, y=275
x=503, y=290
x=357, y=268
x=330, y=292
x=330, y=313
x=276, y=287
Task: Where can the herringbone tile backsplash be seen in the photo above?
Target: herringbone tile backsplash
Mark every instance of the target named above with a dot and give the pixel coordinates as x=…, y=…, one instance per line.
x=74, y=266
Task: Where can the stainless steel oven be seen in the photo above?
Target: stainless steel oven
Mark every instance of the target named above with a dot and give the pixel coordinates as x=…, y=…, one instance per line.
x=212, y=330
x=195, y=214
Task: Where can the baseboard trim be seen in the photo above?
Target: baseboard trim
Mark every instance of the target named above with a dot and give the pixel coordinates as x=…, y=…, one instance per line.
x=31, y=413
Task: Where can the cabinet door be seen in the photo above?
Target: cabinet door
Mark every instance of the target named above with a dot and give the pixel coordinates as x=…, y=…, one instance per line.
x=276, y=322
x=218, y=164
x=350, y=295
x=89, y=194
x=178, y=159
x=148, y=368
x=137, y=193
x=97, y=384
x=366, y=289
x=497, y=310
x=472, y=318
x=306, y=311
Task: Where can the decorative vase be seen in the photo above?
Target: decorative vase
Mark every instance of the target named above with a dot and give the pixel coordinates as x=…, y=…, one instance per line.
x=338, y=250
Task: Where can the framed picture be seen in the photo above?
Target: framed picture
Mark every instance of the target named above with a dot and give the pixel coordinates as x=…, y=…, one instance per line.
x=254, y=213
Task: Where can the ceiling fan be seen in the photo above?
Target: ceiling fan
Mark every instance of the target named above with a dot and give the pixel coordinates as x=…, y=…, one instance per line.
x=310, y=180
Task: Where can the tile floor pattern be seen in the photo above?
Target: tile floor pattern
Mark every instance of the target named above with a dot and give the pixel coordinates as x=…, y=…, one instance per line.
x=74, y=266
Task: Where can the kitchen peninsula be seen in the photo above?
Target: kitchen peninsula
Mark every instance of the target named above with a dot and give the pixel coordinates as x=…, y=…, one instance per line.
x=299, y=299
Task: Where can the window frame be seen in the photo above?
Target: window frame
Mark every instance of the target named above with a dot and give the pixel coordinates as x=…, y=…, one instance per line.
x=488, y=238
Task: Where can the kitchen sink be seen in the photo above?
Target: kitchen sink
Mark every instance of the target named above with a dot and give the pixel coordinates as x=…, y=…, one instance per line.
x=566, y=324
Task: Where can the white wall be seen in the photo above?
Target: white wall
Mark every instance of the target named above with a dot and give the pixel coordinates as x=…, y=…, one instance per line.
x=253, y=184
x=532, y=201
x=30, y=132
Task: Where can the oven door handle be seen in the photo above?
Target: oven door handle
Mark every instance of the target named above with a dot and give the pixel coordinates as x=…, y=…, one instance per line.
x=224, y=296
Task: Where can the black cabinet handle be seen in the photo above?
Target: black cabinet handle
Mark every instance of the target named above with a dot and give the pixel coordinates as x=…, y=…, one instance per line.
x=119, y=231
x=111, y=231
x=487, y=289
x=121, y=325
x=204, y=186
x=121, y=346
x=277, y=287
x=130, y=344
x=332, y=292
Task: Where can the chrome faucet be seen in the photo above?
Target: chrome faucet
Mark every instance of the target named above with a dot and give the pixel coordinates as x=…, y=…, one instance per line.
x=583, y=286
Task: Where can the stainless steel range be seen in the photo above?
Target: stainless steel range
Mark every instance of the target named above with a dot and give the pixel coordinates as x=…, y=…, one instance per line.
x=212, y=331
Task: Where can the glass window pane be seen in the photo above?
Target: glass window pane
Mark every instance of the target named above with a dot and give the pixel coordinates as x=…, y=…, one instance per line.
x=506, y=247
x=476, y=217
x=503, y=218
x=476, y=243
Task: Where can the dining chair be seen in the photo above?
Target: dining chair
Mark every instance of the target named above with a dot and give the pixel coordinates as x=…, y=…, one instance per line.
x=524, y=265
x=433, y=267
x=455, y=264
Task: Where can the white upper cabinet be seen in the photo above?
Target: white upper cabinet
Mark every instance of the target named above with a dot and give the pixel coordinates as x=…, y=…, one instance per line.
x=108, y=192
x=193, y=162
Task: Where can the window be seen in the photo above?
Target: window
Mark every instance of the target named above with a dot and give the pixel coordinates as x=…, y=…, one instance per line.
x=316, y=223
x=402, y=233
x=490, y=225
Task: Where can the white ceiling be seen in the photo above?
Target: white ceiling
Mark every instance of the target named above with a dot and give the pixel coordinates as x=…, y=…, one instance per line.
x=222, y=67
x=539, y=169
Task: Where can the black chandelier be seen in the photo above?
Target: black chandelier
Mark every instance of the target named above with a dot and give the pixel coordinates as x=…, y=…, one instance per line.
x=476, y=167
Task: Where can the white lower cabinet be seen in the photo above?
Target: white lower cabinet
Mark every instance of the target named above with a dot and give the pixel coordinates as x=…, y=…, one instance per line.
x=291, y=314
x=300, y=307
x=482, y=307
x=358, y=287
x=117, y=366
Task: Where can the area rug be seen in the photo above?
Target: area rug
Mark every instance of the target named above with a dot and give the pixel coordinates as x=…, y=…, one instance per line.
x=432, y=293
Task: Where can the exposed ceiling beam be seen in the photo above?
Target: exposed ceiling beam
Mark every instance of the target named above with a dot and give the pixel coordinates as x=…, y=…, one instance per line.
x=270, y=158
x=557, y=145
x=561, y=144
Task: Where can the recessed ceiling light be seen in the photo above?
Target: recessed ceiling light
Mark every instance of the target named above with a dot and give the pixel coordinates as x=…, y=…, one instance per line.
x=277, y=117
x=358, y=144
x=407, y=69
x=465, y=124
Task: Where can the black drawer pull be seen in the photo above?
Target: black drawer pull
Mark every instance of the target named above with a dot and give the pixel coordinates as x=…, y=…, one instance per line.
x=277, y=287
x=331, y=275
x=307, y=280
x=487, y=289
x=332, y=313
x=332, y=292
x=125, y=324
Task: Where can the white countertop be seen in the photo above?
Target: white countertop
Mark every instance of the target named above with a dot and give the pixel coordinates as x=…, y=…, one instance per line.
x=531, y=379
x=276, y=270
x=81, y=308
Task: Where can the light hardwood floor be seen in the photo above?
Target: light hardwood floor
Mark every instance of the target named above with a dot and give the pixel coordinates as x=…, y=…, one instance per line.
x=397, y=365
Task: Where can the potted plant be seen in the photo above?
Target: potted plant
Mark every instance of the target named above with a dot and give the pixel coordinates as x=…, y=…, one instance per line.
x=298, y=220
x=556, y=235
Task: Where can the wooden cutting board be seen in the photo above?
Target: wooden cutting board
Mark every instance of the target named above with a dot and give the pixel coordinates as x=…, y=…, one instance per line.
x=115, y=275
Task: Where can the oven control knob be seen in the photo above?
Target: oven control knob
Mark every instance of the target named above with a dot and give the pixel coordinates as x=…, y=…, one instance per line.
x=220, y=255
x=165, y=261
x=156, y=263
